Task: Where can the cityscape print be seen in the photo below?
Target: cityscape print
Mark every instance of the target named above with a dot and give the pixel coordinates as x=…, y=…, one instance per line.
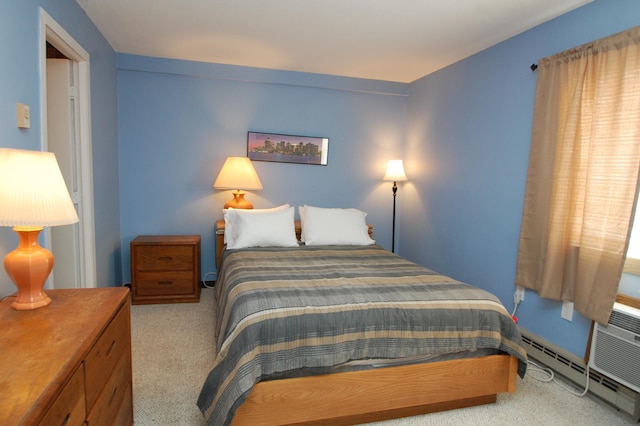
x=287, y=148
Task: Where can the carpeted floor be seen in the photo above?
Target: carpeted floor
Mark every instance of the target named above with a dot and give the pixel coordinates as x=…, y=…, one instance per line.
x=172, y=348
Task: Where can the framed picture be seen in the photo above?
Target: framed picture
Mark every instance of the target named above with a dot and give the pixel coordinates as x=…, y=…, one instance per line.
x=287, y=148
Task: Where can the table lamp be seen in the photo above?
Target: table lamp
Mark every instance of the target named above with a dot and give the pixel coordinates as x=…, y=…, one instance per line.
x=238, y=173
x=33, y=194
x=395, y=173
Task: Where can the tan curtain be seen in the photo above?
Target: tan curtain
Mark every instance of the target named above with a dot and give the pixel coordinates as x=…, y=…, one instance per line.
x=583, y=174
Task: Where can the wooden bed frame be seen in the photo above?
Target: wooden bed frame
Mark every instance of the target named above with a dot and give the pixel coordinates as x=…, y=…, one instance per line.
x=379, y=394
x=376, y=394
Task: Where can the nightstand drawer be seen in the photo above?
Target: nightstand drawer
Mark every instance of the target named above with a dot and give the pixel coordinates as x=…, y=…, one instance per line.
x=69, y=407
x=163, y=283
x=162, y=258
x=102, y=358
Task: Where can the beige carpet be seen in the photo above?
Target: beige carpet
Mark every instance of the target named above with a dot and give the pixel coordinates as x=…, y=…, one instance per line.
x=172, y=349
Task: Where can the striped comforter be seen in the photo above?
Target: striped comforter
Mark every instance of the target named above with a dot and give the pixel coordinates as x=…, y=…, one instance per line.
x=306, y=309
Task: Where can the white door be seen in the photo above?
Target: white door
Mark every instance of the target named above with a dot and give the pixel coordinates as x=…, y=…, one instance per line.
x=66, y=131
x=62, y=137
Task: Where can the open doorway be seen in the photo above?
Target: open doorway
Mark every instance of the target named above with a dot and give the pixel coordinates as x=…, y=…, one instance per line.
x=66, y=131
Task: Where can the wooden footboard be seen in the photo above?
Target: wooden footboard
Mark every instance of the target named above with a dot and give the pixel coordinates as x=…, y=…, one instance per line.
x=379, y=394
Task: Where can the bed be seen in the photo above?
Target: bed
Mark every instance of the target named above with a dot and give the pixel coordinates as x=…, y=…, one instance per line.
x=350, y=333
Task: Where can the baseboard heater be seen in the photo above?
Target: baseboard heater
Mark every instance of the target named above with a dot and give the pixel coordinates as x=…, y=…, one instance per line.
x=574, y=368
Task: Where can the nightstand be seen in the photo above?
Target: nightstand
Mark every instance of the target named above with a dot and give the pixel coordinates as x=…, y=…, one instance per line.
x=165, y=269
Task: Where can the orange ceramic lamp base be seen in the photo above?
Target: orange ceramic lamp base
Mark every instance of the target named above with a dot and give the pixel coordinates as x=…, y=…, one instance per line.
x=29, y=265
x=238, y=201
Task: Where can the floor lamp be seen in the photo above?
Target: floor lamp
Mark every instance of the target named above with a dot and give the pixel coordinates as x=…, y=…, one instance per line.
x=395, y=173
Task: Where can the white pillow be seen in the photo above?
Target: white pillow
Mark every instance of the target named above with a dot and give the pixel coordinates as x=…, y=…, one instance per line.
x=265, y=229
x=325, y=226
x=228, y=223
x=302, y=210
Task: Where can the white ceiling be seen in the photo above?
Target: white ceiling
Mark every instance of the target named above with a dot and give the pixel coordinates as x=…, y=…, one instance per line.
x=393, y=40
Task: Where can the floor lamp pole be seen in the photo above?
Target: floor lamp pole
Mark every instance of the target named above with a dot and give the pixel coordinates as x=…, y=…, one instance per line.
x=393, y=227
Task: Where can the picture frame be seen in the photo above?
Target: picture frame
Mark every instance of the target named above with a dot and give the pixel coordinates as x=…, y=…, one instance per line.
x=287, y=148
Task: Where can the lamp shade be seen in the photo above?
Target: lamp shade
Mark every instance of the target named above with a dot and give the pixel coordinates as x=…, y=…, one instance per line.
x=238, y=173
x=395, y=172
x=32, y=190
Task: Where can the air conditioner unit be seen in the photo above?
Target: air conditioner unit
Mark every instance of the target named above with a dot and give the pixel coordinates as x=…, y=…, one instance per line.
x=615, y=347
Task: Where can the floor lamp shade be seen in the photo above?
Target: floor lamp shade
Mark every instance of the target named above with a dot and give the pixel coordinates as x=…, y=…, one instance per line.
x=395, y=173
x=238, y=173
x=33, y=194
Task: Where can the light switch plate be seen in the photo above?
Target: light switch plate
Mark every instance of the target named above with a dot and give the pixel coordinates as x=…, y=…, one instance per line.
x=23, y=115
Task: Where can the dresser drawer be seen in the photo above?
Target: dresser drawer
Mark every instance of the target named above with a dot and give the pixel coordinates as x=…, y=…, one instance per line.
x=164, y=283
x=69, y=407
x=163, y=258
x=107, y=351
x=109, y=402
x=124, y=416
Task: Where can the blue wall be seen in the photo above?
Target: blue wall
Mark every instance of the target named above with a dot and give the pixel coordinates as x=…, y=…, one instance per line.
x=178, y=121
x=20, y=82
x=467, y=150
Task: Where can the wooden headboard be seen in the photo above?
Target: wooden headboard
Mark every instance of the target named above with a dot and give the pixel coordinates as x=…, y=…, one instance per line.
x=220, y=237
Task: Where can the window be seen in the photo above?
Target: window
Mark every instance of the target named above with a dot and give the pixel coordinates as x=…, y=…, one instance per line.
x=629, y=290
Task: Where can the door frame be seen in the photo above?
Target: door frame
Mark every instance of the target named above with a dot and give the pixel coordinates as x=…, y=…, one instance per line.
x=52, y=32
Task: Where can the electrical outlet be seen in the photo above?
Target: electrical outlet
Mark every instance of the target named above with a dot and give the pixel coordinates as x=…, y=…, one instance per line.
x=567, y=310
x=520, y=293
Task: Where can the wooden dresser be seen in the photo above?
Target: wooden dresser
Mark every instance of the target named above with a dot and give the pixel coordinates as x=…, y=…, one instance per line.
x=165, y=269
x=68, y=363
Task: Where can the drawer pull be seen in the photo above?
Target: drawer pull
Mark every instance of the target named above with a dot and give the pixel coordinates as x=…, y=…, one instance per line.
x=165, y=282
x=164, y=258
x=113, y=394
x=111, y=347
